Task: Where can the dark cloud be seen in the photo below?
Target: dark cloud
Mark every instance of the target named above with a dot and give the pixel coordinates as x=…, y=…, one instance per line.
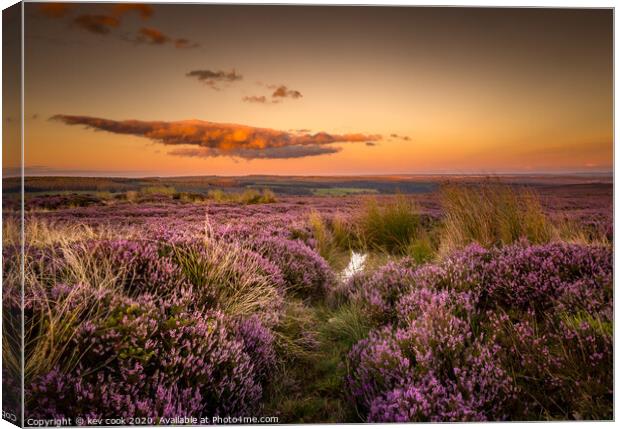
x=280, y=92
x=371, y=144
x=213, y=78
x=97, y=24
x=268, y=153
x=217, y=139
x=283, y=92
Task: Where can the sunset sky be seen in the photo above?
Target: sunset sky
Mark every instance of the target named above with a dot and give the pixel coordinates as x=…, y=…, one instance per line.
x=142, y=90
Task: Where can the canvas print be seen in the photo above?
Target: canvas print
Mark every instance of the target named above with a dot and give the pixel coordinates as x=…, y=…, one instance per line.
x=251, y=214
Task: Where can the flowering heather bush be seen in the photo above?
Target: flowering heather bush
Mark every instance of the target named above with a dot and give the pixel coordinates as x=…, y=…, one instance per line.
x=147, y=266
x=520, y=333
x=152, y=359
x=140, y=328
x=305, y=272
x=377, y=293
x=378, y=365
x=562, y=363
x=479, y=390
x=258, y=343
x=569, y=277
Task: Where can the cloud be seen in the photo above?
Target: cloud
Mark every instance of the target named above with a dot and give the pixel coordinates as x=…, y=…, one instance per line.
x=283, y=92
x=255, y=99
x=54, y=10
x=213, y=78
x=295, y=151
x=185, y=44
x=371, y=144
x=110, y=17
x=280, y=92
x=396, y=136
x=144, y=10
x=202, y=138
x=152, y=36
x=97, y=24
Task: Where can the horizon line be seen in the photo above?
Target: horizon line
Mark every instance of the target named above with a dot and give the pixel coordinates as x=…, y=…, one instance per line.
x=433, y=174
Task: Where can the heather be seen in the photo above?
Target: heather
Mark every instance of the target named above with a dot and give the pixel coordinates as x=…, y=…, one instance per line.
x=517, y=333
x=316, y=309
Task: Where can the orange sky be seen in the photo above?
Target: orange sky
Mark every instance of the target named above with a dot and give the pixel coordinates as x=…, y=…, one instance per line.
x=234, y=90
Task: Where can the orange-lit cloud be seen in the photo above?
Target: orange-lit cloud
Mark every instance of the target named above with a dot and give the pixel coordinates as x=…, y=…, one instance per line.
x=206, y=139
x=111, y=17
x=144, y=10
x=213, y=78
x=152, y=36
x=54, y=10
x=97, y=24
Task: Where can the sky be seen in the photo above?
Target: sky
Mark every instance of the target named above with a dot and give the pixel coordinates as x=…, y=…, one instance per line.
x=175, y=90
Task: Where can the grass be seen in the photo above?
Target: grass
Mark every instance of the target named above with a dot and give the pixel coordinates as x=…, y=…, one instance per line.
x=308, y=386
x=249, y=196
x=57, y=321
x=167, y=191
x=233, y=275
x=491, y=214
x=345, y=325
x=389, y=227
x=89, y=275
x=334, y=239
x=422, y=249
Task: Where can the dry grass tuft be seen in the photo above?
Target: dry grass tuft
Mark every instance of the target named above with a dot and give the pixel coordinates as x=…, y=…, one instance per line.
x=491, y=214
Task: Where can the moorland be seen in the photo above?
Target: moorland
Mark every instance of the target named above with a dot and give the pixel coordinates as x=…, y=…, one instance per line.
x=341, y=299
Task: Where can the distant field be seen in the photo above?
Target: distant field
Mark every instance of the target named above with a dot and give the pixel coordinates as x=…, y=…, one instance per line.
x=337, y=192
x=280, y=185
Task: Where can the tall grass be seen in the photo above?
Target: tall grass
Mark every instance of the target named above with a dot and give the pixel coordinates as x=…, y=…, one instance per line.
x=491, y=214
x=228, y=275
x=389, y=227
x=43, y=233
x=54, y=320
